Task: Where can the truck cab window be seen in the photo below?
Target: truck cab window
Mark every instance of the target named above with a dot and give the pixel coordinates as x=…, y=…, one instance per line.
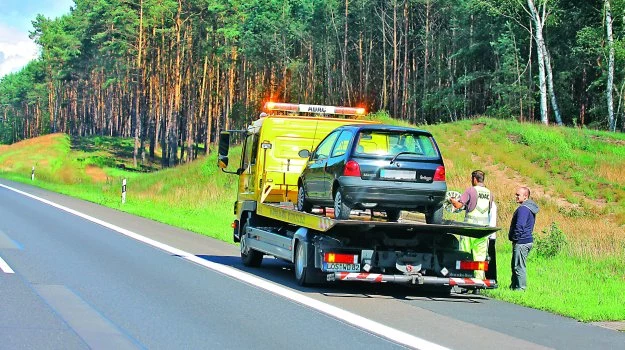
x=246, y=158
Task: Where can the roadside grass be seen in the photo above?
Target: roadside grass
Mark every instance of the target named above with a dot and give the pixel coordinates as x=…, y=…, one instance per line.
x=586, y=279
x=195, y=196
x=584, y=289
x=575, y=177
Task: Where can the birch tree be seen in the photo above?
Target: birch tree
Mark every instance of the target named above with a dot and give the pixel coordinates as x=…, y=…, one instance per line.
x=539, y=17
x=610, y=83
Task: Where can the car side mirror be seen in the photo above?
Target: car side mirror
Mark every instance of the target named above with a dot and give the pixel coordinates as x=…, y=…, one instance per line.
x=304, y=153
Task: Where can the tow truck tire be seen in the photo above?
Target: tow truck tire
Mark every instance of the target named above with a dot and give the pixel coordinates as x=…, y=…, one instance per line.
x=302, y=203
x=392, y=215
x=303, y=272
x=434, y=215
x=249, y=256
x=341, y=210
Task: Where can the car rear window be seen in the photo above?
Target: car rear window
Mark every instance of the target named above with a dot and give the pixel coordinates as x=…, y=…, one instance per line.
x=389, y=143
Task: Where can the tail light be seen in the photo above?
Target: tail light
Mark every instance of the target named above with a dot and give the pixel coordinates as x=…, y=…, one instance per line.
x=352, y=168
x=439, y=174
x=472, y=265
x=340, y=258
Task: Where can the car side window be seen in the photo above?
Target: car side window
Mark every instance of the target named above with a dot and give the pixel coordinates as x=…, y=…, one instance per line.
x=426, y=144
x=342, y=143
x=324, y=148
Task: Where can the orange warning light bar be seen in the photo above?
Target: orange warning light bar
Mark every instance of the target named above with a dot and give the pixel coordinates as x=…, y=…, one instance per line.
x=319, y=109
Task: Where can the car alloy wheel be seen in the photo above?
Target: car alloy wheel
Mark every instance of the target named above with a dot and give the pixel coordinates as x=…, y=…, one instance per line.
x=302, y=203
x=341, y=210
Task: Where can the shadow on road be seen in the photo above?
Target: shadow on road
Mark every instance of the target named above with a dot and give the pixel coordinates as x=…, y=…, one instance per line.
x=281, y=272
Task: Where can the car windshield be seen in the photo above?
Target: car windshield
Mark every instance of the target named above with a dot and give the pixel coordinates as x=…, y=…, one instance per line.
x=390, y=143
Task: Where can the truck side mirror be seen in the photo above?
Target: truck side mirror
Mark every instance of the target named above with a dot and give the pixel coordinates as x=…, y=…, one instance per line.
x=303, y=153
x=224, y=146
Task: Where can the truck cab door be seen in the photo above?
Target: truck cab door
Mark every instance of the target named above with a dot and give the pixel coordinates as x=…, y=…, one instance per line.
x=248, y=166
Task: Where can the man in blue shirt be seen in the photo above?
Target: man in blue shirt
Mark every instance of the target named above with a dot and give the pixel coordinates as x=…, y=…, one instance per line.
x=520, y=234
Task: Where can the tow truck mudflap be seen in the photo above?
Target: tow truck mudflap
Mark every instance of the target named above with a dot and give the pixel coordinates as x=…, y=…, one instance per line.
x=469, y=283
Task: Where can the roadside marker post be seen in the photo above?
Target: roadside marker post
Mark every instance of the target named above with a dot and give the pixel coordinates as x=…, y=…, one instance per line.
x=123, y=191
x=32, y=174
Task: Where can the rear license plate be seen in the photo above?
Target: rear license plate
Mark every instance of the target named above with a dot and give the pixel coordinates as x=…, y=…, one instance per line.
x=398, y=174
x=339, y=267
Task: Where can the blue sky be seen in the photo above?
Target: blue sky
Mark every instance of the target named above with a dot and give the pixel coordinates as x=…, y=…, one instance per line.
x=16, y=49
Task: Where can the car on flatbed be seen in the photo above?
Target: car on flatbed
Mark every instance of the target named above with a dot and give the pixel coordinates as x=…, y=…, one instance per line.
x=374, y=166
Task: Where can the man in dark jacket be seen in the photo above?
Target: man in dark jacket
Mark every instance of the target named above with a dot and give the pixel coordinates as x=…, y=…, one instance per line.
x=520, y=234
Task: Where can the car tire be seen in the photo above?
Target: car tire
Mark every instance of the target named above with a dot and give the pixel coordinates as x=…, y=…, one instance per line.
x=249, y=256
x=341, y=210
x=392, y=215
x=434, y=215
x=302, y=203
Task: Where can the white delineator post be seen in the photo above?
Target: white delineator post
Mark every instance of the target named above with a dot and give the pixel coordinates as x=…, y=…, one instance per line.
x=123, y=191
x=32, y=174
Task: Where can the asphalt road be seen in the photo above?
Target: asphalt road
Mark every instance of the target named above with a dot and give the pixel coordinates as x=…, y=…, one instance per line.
x=67, y=282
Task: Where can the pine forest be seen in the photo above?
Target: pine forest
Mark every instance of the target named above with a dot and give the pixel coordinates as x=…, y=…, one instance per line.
x=172, y=73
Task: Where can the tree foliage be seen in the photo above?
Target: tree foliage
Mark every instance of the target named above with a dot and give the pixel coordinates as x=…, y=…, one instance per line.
x=173, y=73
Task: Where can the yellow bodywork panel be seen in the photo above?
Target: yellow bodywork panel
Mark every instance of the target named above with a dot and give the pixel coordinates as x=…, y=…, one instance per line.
x=312, y=221
x=277, y=165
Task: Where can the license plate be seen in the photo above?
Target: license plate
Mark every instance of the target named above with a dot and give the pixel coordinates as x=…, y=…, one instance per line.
x=339, y=267
x=398, y=174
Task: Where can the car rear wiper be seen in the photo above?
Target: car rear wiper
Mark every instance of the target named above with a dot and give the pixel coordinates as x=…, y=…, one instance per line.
x=400, y=153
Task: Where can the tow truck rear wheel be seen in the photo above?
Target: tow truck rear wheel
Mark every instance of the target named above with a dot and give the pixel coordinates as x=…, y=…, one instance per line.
x=341, y=210
x=302, y=203
x=303, y=273
x=249, y=256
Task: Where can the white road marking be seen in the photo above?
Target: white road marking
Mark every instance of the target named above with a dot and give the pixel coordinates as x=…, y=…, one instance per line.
x=5, y=267
x=333, y=311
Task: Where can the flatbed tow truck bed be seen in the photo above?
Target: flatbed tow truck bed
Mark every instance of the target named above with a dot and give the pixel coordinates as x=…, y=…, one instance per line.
x=323, y=223
x=405, y=264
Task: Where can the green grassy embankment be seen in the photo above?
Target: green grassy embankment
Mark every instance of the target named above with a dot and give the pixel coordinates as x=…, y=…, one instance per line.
x=577, y=266
x=195, y=196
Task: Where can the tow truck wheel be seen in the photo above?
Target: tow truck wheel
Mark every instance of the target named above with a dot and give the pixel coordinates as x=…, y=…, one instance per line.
x=249, y=256
x=302, y=203
x=305, y=273
x=341, y=210
x=434, y=215
x=300, y=264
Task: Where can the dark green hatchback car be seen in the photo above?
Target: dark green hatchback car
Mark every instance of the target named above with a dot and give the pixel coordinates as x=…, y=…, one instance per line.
x=378, y=167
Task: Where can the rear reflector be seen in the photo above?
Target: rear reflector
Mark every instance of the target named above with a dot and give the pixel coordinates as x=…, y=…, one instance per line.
x=340, y=258
x=439, y=175
x=352, y=168
x=472, y=265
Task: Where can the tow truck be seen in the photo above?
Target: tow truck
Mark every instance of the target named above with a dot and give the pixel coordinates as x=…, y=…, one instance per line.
x=322, y=248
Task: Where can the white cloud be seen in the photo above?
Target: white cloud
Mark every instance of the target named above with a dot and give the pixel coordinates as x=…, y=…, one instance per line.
x=16, y=50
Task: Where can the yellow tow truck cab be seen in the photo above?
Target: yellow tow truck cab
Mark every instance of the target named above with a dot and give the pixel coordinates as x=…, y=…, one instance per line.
x=322, y=248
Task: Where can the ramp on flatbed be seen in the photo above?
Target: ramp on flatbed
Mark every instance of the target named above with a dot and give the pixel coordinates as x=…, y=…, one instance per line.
x=286, y=213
